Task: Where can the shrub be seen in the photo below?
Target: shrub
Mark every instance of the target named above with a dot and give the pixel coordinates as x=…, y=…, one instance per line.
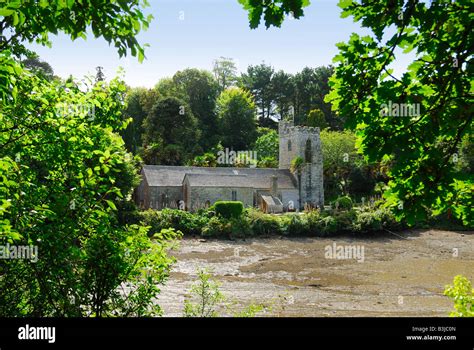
x=219, y=226
x=294, y=225
x=228, y=209
x=462, y=294
x=321, y=226
x=370, y=220
x=343, y=203
x=344, y=220
x=264, y=224
x=205, y=299
x=208, y=295
x=186, y=222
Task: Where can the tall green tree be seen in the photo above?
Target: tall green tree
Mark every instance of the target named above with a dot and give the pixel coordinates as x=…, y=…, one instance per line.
x=225, y=72
x=236, y=112
x=283, y=91
x=36, y=65
x=437, y=84
x=170, y=133
x=258, y=80
x=200, y=90
x=64, y=173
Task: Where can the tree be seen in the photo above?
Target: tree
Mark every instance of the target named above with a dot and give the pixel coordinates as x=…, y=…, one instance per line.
x=236, y=113
x=63, y=173
x=341, y=162
x=199, y=89
x=170, y=133
x=304, y=92
x=38, y=66
x=316, y=118
x=225, y=72
x=421, y=141
x=266, y=147
x=420, y=145
x=274, y=11
x=283, y=92
x=258, y=81
x=138, y=102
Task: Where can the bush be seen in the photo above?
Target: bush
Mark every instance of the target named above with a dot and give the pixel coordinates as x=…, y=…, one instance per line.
x=218, y=226
x=344, y=220
x=369, y=220
x=462, y=294
x=184, y=221
x=294, y=225
x=319, y=225
x=264, y=224
x=343, y=203
x=228, y=209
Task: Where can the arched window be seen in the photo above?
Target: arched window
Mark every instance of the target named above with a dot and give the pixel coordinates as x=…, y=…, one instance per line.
x=308, y=156
x=289, y=145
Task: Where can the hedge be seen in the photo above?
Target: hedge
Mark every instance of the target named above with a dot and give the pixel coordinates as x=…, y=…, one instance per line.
x=228, y=209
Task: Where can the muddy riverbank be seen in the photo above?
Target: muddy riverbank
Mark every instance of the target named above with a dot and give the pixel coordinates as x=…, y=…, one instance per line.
x=400, y=275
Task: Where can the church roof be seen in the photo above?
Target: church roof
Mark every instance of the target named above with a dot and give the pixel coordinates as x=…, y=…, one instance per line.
x=218, y=180
x=259, y=178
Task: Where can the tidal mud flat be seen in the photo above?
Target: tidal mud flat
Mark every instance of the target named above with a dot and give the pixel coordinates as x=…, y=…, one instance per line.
x=398, y=275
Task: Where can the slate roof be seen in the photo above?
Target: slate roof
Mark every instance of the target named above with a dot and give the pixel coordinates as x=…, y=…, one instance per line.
x=258, y=178
x=218, y=180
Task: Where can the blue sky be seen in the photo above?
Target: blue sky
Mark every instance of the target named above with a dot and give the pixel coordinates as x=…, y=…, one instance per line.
x=210, y=29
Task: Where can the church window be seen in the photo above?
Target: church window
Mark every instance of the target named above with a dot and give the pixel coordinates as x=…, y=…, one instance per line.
x=307, y=152
x=289, y=146
x=234, y=195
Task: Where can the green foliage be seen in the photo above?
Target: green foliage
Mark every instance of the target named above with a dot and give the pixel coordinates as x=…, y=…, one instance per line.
x=263, y=224
x=343, y=203
x=462, y=294
x=317, y=119
x=266, y=145
x=68, y=174
x=170, y=133
x=205, y=299
x=206, y=160
x=295, y=224
x=225, y=72
x=180, y=220
x=117, y=23
x=199, y=90
x=139, y=102
x=345, y=171
x=39, y=67
x=208, y=295
x=258, y=81
x=253, y=222
x=273, y=11
x=374, y=220
x=236, y=113
x=218, y=226
x=420, y=146
x=66, y=178
x=319, y=225
x=228, y=209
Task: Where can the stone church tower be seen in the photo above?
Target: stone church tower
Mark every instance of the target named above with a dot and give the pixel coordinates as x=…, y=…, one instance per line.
x=304, y=142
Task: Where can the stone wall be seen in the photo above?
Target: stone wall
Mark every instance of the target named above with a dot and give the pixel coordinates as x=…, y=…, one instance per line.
x=312, y=190
x=200, y=195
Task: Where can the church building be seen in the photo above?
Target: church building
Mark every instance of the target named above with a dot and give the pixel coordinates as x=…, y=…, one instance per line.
x=272, y=190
